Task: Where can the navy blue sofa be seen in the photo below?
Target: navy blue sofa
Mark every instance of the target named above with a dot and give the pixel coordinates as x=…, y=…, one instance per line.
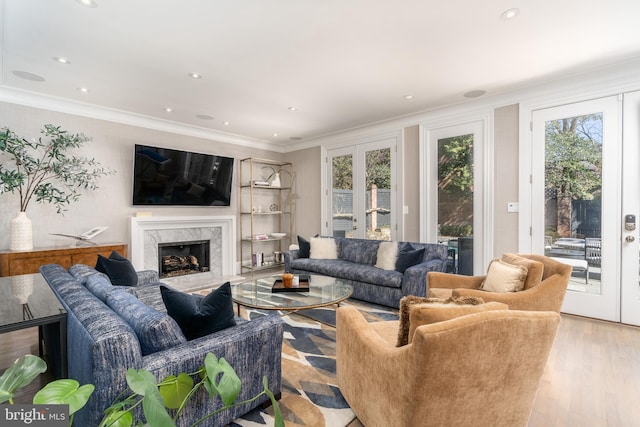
x=103, y=342
x=355, y=263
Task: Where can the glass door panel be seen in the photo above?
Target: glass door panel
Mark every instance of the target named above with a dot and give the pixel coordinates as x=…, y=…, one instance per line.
x=342, y=219
x=455, y=201
x=378, y=207
x=573, y=196
x=576, y=185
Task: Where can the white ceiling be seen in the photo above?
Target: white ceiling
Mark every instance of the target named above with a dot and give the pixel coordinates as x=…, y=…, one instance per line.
x=340, y=63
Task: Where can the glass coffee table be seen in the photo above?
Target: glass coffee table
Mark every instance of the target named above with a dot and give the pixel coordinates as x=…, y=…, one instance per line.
x=323, y=291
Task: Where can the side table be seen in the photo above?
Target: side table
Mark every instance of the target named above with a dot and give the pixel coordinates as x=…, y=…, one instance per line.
x=27, y=301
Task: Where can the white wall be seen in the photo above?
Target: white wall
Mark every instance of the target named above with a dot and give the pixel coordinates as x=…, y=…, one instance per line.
x=112, y=145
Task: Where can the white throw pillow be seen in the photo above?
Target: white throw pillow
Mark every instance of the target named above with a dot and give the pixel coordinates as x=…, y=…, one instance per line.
x=503, y=277
x=323, y=248
x=387, y=255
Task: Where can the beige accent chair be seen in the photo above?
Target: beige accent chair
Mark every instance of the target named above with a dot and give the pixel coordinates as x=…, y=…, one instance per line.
x=481, y=369
x=543, y=290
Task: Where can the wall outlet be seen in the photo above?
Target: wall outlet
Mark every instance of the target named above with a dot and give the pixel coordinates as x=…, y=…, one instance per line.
x=513, y=207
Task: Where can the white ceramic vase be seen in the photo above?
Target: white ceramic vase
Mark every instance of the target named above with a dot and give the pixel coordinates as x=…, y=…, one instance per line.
x=276, y=180
x=21, y=233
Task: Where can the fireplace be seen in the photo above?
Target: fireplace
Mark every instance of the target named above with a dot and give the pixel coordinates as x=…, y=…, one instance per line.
x=180, y=258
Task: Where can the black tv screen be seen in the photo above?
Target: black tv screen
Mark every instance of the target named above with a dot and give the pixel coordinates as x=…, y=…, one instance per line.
x=163, y=176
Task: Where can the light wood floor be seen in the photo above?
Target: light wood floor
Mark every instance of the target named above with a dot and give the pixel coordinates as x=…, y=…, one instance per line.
x=592, y=378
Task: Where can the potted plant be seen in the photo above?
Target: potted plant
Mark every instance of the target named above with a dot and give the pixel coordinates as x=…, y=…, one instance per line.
x=159, y=400
x=45, y=171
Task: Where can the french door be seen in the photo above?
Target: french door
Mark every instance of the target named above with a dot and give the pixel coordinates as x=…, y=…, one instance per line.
x=582, y=187
x=362, y=193
x=455, y=199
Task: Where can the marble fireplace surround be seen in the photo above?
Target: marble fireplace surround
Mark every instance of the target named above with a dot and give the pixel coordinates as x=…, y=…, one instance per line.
x=147, y=232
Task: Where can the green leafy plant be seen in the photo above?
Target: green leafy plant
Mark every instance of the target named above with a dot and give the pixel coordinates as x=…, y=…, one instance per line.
x=159, y=400
x=47, y=170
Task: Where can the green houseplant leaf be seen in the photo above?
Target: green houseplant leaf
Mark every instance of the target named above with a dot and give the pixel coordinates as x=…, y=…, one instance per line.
x=222, y=379
x=67, y=392
x=118, y=419
x=174, y=390
x=24, y=370
x=277, y=415
x=143, y=382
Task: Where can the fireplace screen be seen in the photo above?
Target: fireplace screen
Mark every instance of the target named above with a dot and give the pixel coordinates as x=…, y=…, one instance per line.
x=180, y=258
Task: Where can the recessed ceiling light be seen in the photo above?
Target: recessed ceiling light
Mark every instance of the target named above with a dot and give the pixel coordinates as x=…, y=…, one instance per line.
x=168, y=109
x=84, y=90
x=510, y=14
x=292, y=108
x=408, y=96
x=204, y=117
x=195, y=75
x=226, y=123
x=28, y=76
x=61, y=60
x=275, y=134
x=88, y=3
x=474, y=93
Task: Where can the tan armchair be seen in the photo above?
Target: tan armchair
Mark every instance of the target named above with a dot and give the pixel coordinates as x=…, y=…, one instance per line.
x=477, y=370
x=542, y=294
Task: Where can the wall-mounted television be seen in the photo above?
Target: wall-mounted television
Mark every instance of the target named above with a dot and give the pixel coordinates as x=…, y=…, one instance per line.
x=168, y=177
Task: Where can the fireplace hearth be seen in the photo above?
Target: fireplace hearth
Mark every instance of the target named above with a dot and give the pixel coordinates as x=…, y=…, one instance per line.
x=181, y=258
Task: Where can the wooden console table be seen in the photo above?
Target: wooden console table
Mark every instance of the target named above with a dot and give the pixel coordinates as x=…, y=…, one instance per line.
x=13, y=263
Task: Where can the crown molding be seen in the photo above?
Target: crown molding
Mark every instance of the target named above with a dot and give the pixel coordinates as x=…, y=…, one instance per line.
x=35, y=100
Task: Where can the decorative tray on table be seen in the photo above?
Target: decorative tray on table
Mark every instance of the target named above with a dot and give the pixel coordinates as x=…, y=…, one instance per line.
x=278, y=285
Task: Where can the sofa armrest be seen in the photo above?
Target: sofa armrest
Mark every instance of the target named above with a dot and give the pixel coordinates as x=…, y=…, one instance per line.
x=414, y=281
x=290, y=256
x=146, y=277
x=453, y=281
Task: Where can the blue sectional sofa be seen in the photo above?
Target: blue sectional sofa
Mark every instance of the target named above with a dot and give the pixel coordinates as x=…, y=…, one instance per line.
x=102, y=344
x=355, y=263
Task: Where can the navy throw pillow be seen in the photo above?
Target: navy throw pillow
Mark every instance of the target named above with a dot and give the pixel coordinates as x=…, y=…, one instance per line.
x=118, y=268
x=408, y=258
x=305, y=247
x=198, y=316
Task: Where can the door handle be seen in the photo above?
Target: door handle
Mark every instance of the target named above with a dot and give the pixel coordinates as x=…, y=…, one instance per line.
x=630, y=239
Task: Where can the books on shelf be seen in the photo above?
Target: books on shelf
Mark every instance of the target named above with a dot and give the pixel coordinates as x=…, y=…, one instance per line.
x=261, y=183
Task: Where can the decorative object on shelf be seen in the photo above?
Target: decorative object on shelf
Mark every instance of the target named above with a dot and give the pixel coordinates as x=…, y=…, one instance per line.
x=275, y=174
x=46, y=171
x=278, y=235
x=278, y=257
x=273, y=207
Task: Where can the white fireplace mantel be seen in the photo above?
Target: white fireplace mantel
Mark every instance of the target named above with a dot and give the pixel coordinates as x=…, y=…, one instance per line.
x=146, y=232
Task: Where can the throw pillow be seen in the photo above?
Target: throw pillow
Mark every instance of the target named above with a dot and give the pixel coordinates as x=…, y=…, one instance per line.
x=323, y=248
x=534, y=268
x=198, y=316
x=305, y=247
x=387, y=255
x=155, y=330
x=424, y=314
x=503, y=277
x=118, y=268
x=407, y=302
x=408, y=258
